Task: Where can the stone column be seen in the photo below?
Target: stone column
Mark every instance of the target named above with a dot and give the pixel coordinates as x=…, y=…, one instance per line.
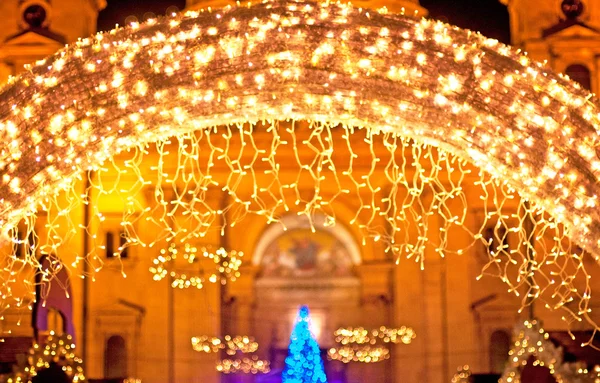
x=377, y=306
x=238, y=301
x=240, y=294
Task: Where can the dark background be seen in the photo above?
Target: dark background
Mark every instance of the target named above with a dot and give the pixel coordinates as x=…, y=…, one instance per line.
x=489, y=17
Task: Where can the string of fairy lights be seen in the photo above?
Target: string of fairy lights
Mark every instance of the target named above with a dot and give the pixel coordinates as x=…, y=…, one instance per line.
x=358, y=344
x=363, y=354
x=227, y=266
x=354, y=345
x=232, y=345
x=251, y=365
x=361, y=335
x=189, y=125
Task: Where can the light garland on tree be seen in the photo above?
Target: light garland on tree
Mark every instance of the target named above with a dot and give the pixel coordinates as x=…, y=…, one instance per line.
x=227, y=264
x=57, y=349
x=532, y=341
x=359, y=353
x=164, y=105
x=231, y=344
x=251, y=365
x=360, y=335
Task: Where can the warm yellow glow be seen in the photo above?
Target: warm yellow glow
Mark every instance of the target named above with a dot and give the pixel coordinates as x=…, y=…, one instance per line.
x=251, y=365
x=360, y=335
x=227, y=264
x=359, y=353
x=358, y=344
x=231, y=344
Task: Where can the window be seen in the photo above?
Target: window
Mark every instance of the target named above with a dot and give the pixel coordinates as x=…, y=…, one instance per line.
x=35, y=15
x=581, y=74
x=110, y=245
x=115, y=358
x=116, y=236
x=116, y=244
x=499, y=348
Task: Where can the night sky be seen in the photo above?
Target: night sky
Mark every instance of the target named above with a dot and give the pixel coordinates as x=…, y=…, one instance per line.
x=486, y=16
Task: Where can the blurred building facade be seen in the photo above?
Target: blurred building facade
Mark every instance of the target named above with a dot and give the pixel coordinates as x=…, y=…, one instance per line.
x=136, y=327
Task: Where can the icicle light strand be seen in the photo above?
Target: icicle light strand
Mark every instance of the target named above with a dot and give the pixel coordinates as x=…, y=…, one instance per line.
x=399, y=110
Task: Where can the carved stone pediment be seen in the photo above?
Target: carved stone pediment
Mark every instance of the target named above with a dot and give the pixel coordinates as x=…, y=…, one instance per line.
x=36, y=36
x=32, y=43
x=571, y=28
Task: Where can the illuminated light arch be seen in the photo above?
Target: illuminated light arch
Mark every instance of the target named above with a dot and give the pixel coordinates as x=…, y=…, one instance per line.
x=440, y=86
x=437, y=84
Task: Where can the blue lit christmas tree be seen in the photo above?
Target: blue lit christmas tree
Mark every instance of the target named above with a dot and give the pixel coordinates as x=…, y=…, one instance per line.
x=303, y=363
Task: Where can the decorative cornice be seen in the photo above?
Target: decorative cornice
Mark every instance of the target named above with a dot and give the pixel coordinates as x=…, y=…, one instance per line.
x=43, y=32
x=565, y=24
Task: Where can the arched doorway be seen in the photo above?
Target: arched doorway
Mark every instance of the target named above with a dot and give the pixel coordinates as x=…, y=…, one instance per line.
x=499, y=348
x=115, y=358
x=53, y=307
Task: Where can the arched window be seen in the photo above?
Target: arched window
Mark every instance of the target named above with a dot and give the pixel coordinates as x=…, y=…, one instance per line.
x=53, y=309
x=581, y=74
x=116, y=242
x=499, y=348
x=115, y=358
